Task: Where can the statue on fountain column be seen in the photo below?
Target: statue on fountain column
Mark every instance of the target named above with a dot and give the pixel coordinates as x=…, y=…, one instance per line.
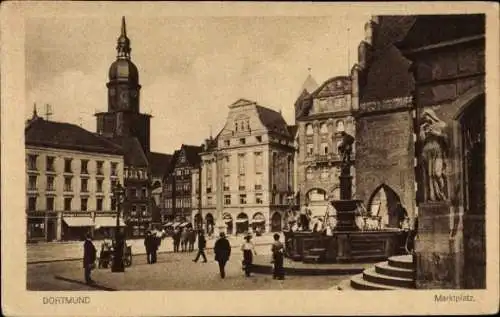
x=434, y=152
x=345, y=148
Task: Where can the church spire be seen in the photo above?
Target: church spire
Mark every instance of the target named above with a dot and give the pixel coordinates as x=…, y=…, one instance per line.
x=123, y=47
x=35, y=114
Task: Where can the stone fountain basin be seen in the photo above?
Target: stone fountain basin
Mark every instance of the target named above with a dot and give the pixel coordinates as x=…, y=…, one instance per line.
x=346, y=204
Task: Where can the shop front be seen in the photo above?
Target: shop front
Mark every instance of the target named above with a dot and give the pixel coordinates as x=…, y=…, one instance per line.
x=241, y=223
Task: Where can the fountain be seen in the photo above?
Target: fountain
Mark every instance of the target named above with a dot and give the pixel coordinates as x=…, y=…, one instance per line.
x=348, y=241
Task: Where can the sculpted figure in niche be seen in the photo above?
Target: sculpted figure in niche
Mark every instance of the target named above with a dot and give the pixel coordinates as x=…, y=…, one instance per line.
x=345, y=147
x=434, y=152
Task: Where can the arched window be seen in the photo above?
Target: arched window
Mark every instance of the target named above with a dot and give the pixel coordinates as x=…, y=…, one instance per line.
x=309, y=173
x=309, y=129
x=340, y=126
x=323, y=128
x=324, y=148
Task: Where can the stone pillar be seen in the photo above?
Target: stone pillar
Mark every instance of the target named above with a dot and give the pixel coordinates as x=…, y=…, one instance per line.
x=345, y=182
x=59, y=226
x=436, y=249
x=46, y=225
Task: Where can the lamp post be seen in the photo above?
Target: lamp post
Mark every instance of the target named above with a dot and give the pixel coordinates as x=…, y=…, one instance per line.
x=117, y=266
x=220, y=225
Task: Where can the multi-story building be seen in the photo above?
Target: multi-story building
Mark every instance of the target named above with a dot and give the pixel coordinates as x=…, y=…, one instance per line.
x=250, y=168
x=178, y=184
x=124, y=125
x=159, y=164
x=320, y=117
x=70, y=173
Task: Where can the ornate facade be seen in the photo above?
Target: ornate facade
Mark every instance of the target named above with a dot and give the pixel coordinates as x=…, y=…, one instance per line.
x=321, y=116
x=250, y=166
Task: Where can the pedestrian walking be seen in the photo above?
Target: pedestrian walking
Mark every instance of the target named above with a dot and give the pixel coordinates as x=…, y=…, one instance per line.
x=89, y=257
x=222, y=250
x=202, y=243
x=277, y=251
x=177, y=239
x=248, y=252
x=148, y=244
x=156, y=241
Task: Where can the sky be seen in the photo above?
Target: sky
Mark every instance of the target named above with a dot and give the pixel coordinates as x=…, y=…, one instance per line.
x=190, y=68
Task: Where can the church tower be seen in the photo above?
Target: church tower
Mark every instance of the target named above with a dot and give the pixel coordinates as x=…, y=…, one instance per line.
x=123, y=118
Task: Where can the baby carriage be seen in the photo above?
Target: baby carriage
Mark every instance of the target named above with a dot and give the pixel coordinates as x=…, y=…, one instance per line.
x=105, y=256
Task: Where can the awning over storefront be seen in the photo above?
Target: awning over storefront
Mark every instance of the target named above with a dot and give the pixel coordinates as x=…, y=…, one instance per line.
x=228, y=220
x=241, y=220
x=78, y=221
x=107, y=222
x=258, y=221
x=168, y=224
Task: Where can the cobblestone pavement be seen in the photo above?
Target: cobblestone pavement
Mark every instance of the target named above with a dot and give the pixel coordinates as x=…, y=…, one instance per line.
x=173, y=271
x=57, y=251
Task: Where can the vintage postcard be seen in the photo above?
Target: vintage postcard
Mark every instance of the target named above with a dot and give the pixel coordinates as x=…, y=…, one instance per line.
x=256, y=158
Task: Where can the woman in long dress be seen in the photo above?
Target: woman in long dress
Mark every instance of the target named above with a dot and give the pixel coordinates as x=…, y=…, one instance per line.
x=248, y=252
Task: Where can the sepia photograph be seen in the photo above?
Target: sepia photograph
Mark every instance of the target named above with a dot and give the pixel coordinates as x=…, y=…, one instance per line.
x=332, y=152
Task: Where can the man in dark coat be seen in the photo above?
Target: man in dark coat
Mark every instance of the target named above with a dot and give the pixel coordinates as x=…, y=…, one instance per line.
x=89, y=257
x=222, y=251
x=148, y=244
x=202, y=243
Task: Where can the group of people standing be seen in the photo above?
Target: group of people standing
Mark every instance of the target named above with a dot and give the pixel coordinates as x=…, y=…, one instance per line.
x=184, y=238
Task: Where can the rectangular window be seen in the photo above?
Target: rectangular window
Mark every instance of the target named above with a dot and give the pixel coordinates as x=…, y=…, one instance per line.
x=242, y=141
x=243, y=199
x=32, y=203
x=227, y=199
x=84, y=167
x=85, y=183
x=67, y=203
x=227, y=142
x=226, y=182
x=99, y=185
x=144, y=193
x=258, y=162
x=241, y=182
x=310, y=149
x=226, y=166
x=188, y=202
x=67, y=165
x=210, y=201
x=258, y=182
x=258, y=198
x=144, y=211
x=133, y=211
x=100, y=168
x=259, y=138
x=113, y=184
x=32, y=182
x=50, y=164
x=50, y=183
x=209, y=190
x=241, y=164
x=32, y=162
x=114, y=169
x=133, y=193
x=84, y=202
x=99, y=204
x=50, y=203
x=68, y=184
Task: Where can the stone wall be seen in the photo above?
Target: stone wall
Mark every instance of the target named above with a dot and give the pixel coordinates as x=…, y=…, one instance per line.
x=384, y=152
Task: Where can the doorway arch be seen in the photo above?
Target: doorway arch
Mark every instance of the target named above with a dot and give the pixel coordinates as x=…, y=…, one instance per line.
x=228, y=220
x=241, y=223
x=209, y=223
x=276, y=222
x=385, y=203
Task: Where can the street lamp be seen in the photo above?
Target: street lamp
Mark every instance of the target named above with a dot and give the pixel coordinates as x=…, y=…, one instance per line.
x=221, y=225
x=117, y=265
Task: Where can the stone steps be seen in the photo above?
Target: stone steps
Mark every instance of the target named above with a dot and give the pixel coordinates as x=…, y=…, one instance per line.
x=395, y=274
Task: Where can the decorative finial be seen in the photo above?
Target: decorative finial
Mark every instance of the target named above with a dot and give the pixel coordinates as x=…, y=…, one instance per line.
x=35, y=114
x=123, y=47
x=124, y=27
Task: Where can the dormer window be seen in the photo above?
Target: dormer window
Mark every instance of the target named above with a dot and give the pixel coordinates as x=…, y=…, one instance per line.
x=259, y=138
x=242, y=141
x=309, y=129
x=227, y=142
